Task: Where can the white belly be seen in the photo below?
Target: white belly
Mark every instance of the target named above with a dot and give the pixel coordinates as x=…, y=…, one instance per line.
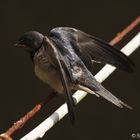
x=51, y=77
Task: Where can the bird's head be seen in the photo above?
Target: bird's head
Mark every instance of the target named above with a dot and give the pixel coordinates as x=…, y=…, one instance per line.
x=30, y=41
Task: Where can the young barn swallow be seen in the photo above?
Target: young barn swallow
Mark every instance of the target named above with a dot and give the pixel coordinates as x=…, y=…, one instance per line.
x=64, y=60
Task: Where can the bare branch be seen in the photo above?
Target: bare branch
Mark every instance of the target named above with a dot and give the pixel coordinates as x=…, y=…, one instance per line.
x=22, y=121
x=123, y=33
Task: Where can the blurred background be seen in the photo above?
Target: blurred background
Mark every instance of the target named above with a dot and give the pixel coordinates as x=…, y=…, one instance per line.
x=20, y=90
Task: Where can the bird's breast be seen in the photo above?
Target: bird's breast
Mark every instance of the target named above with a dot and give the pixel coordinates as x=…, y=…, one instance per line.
x=50, y=76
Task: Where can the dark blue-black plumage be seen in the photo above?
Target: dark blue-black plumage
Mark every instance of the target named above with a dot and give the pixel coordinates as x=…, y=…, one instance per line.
x=70, y=53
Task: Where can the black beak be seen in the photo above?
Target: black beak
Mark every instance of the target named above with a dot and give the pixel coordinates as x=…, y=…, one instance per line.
x=20, y=45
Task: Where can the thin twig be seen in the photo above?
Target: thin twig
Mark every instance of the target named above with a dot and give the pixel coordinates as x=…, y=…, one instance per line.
x=124, y=32
x=20, y=123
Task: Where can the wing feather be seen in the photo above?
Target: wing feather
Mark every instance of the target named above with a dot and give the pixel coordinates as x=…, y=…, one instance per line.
x=101, y=51
x=89, y=47
x=64, y=79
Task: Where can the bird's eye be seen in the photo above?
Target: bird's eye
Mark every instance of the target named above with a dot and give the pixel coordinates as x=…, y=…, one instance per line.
x=51, y=34
x=54, y=34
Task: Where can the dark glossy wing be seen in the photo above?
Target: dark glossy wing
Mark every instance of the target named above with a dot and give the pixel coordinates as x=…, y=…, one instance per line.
x=58, y=34
x=71, y=41
x=87, y=45
x=64, y=79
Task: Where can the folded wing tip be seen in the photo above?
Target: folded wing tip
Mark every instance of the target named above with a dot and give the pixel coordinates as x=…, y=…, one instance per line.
x=122, y=104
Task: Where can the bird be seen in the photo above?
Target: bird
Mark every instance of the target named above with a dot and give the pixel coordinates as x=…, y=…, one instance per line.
x=64, y=60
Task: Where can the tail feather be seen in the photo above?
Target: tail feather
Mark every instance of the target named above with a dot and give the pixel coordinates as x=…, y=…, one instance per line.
x=92, y=86
x=110, y=97
x=96, y=88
